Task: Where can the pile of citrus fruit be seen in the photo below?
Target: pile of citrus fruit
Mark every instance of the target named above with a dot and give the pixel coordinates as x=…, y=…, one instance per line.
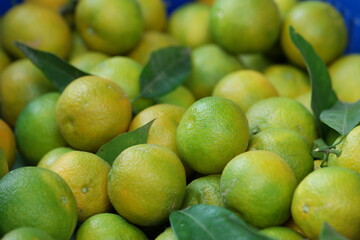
x=238, y=133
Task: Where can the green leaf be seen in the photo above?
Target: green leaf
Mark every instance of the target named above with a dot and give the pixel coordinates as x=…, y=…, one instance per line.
x=342, y=117
x=110, y=150
x=57, y=70
x=328, y=233
x=322, y=95
x=167, y=69
x=201, y=222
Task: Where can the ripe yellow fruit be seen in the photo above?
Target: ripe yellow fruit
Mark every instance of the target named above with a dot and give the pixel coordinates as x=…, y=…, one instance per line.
x=20, y=82
x=86, y=174
x=36, y=26
x=7, y=143
x=284, y=113
x=349, y=157
x=146, y=183
x=315, y=21
x=244, y=87
x=331, y=195
x=289, y=145
x=259, y=185
x=154, y=14
x=203, y=190
x=189, y=24
x=151, y=41
x=91, y=111
x=345, y=77
x=288, y=80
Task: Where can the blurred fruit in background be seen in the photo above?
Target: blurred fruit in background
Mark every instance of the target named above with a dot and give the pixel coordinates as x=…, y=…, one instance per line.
x=37, y=26
x=244, y=87
x=321, y=25
x=256, y=23
x=345, y=77
x=112, y=30
x=189, y=24
x=20, y=82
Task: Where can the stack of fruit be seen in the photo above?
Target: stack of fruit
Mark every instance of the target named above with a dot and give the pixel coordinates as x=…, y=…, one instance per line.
x=222, y=120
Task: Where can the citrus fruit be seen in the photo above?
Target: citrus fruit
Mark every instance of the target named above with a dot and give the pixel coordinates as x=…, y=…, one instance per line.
x=20, y=82
x=292, y=225
x=122, y=70
x=315, y=21
x=151, y=41
x=255, y=61
x=146, y=183
x=349, y=157
x=112, y=26
x=259, y=185
x=245, y=26
x=38, y=27
x=168, y=234
x=88, y=60
x=281, y=233
x=345, y=77
x=27, y=233
x=180, y=96
x=211, y=132
x=288, y=80
x=163, y=129
x=203, y=190
x=282, y=112
x=78, y=45
x=4, y=60
x=189, y=24
x=86, y=174
x=331, y=195
x=91, y=111
x=39, y=198
x=289, y=145
x=108, y=226
x=244, y=87
x=52, y=4
x=305, y=100
x=50, y=157
x=285, y=6
x=209, y=64
x=154, y=14
x=4, y=169
x=36, y=130
x=7, y=143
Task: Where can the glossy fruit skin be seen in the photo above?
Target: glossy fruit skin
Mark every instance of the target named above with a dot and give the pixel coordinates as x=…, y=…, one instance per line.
x=23, y=203
x=211, y=132
x=332, y=195
x=245, y=26
x=259, y=185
